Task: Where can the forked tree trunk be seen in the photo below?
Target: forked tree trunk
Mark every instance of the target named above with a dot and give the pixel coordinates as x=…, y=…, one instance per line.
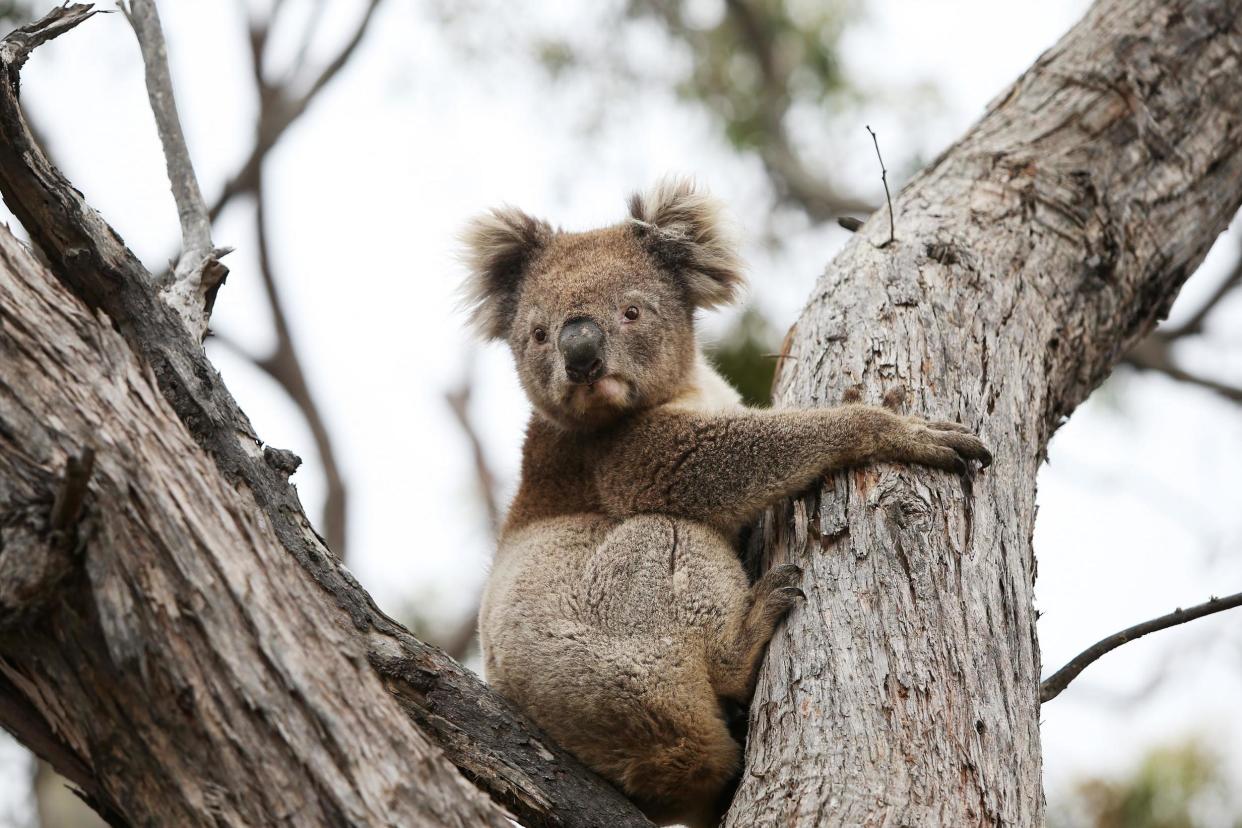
x=1029, y=257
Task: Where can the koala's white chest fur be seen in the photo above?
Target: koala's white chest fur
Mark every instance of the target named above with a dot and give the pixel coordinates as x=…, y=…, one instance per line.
x=707, y=392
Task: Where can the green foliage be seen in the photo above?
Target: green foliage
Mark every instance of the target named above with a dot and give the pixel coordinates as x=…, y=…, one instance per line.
x=757, y=59
x=745, y=357
x=1183, y=785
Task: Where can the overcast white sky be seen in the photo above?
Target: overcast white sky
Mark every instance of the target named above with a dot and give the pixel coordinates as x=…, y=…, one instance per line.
x=1139, y=507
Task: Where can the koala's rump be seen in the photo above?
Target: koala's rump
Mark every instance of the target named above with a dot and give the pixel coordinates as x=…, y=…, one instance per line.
x=596, y=629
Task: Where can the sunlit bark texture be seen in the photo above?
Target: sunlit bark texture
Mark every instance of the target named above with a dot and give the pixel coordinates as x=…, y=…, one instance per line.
x=1029, y=257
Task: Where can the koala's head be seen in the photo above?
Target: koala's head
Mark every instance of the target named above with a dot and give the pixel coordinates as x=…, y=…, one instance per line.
x=601, y=323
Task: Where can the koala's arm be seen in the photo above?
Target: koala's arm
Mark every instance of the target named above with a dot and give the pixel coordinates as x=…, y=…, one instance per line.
x=723, y=469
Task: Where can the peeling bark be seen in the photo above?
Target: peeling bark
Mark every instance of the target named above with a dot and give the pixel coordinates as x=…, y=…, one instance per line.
x=1029, y=258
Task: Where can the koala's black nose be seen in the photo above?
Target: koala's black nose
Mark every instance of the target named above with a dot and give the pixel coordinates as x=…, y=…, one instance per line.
x=582, y=344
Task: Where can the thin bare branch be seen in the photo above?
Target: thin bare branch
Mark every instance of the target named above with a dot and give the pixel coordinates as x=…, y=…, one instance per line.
x=198, y=272
x=1152, y=354
x=281, y=112
x=278, y=110
x=461, y=640
x=1194, y=324
x=335, y=65
x=284, y=366
x=191, y=209
x=458, y=401
x=1052, y=686
x=892, y=226
x=313, y=19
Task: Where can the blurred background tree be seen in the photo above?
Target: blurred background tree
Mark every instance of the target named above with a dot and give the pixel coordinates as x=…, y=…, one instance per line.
x=1181, y=785
x=772, y=95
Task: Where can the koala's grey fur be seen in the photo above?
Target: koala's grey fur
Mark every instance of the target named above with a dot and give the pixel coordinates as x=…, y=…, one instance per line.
x=617, y=614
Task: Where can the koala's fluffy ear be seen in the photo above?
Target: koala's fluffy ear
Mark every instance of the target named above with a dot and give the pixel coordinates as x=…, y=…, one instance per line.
x=686, y=232
x=499, y=247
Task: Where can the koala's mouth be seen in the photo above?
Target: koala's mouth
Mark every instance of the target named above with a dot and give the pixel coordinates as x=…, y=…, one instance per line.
x=607, y=391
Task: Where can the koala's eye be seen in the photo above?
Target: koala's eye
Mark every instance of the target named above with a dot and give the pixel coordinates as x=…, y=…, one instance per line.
x=631, y=313
x=540, y=334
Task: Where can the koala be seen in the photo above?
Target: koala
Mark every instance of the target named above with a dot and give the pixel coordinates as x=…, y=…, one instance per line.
x=617, y=614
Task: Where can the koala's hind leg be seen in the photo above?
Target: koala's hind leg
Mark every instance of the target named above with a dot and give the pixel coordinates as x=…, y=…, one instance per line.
x=687, y=760
x=739, y=647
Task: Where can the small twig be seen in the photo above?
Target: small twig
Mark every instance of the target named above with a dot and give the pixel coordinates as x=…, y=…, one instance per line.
x=892, y=227
x=1052, y=686
x=198, y=271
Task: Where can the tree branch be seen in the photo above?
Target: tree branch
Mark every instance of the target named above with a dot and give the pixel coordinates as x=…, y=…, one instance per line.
x=276, y=115
x=1052, y=686
x=281, y=113
x=198, y=273
x=284, y=366
x=794, y=182
x=1152, y=354
x=458, y=401
x=461, y=640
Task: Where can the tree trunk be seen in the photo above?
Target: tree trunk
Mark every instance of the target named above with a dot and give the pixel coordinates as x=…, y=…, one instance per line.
x=1029, y=258
x=189, y=662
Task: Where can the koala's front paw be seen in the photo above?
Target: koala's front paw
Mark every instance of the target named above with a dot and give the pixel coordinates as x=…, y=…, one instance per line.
x=938, y=443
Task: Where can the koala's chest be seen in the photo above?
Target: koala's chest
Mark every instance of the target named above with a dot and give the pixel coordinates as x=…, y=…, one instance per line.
x=558, y=479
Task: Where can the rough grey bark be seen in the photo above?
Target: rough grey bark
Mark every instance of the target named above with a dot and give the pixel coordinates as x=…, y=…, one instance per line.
x=1029, y=257
x=197, y=653
x=187, y=660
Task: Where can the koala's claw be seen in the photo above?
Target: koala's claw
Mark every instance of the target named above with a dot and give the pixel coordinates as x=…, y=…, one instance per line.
x=778, y=577
x=791, y=592
x=945, y=445
x=966, y=445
